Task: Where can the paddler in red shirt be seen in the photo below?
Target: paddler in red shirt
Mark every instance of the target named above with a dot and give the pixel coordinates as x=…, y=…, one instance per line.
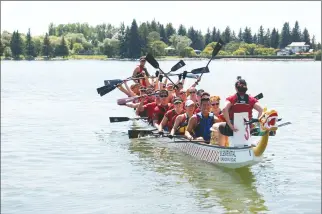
x=148, y=108
x=169, y=117
x=237, y=103
x=161, y=109
x=141, y=71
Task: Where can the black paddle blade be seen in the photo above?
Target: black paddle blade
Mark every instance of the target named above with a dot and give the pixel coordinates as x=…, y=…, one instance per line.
x=152, y=61
x=200, y=70
x=179, y=65
x=106, y=90
x=118, y=119
x=259, y=96
x=217, y=48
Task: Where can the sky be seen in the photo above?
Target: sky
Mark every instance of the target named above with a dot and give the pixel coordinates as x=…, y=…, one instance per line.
x=21, y=15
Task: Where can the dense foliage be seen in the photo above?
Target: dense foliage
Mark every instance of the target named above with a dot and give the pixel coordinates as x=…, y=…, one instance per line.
x=136, y=40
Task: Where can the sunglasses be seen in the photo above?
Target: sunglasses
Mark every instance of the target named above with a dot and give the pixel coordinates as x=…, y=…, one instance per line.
x=163, y=96
x=183, y=92
x=192, y=92
x=215, y=104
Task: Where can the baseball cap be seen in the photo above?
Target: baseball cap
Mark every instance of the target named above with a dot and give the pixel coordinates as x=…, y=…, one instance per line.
x=177, y=100
x=200, y=91
x=189, y=103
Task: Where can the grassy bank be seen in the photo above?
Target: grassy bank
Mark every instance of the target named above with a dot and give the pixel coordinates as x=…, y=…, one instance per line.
x=170, y=58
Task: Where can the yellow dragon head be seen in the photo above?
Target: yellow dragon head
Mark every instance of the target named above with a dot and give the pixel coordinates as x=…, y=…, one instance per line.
x=268, y=120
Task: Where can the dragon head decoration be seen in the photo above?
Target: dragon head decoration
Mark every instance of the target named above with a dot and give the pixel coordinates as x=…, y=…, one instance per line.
x=268, y=120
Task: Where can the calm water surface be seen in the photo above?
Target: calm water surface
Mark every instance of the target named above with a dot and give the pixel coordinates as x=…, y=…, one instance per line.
x=60, y=154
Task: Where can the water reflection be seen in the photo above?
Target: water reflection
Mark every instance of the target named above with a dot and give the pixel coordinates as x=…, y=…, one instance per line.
x=234, y=190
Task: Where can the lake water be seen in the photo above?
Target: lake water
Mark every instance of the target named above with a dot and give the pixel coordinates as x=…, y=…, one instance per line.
x=60, y=154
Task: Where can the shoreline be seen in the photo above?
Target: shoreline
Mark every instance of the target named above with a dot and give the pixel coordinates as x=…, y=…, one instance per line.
x=174, y=58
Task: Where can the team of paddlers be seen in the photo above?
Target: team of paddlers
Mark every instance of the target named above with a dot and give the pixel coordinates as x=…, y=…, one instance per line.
x=192, y=113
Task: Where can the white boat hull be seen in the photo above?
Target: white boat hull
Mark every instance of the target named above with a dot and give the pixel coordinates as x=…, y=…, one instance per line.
x=228, y=157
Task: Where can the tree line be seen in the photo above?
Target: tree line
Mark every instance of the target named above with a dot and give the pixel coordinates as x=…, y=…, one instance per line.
x=136, y=40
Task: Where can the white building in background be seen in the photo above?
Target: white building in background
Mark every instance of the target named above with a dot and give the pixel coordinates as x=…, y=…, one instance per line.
x=283, y=52
x=298, y=47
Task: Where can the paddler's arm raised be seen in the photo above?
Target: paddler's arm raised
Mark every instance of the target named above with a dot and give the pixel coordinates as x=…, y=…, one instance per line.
x=120, y=87
x=140, y=107
x=132, y=94
x=191, y=125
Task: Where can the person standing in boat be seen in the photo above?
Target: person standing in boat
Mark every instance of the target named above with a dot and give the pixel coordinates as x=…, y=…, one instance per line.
x=181, y=122
x=237, y=103
x=199, y=124
x=171, y=115
x=141, y=71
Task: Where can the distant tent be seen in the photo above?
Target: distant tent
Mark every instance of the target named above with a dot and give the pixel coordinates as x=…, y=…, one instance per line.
x=169, y=48
x=197, y=51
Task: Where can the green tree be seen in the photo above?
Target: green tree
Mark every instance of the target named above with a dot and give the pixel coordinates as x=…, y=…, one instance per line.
x=153, y=36
x=255, y=39
x=62, y=48
x=169, y=29
x=261, y=35
x=179, y=43
x=7, y=52
x=77, y=48
x=154, y=26
x=157, y=48
x=267, y=38
x=232, y=46
x=306, y=37
x=285, y=38
x=111, y=47
x=274, y=39
x=226, y=36
x=187, y=52
x=47, y=49
x=240, y=35
x=182, y=31
x=143, y=33
x=247, y=35
x=163, y=34
x=16, y=45
x=296, y=33
x=51, y=30
x=214, y=35
x=134, y=41
x=29, y=47
x=208, y=37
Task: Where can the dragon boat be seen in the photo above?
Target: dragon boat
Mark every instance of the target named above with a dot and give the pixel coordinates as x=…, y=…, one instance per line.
x=242, y=150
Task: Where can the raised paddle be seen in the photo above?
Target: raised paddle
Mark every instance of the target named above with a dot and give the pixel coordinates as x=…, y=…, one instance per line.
x=155, y=64
x=215, y=51
x=110, y=85
x=123, y=101
x=124, y=119
x=259, y=96
x=200, y=70
x=189, y=75
x=177, y=66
